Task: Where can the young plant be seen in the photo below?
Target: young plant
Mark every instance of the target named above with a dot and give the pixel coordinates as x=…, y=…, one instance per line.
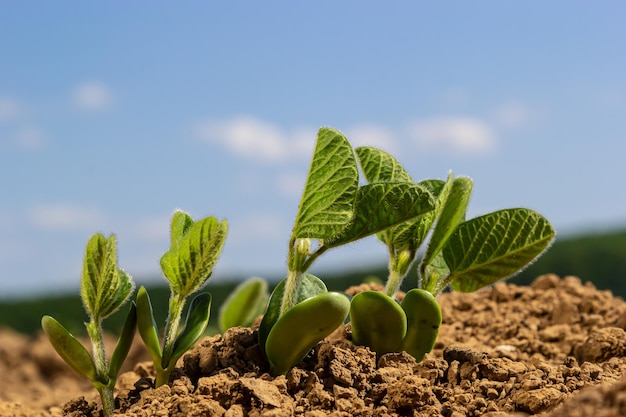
x=195, y=248
x=104, y=290
x=334, y=210
x=465, y=255
x=244, y=304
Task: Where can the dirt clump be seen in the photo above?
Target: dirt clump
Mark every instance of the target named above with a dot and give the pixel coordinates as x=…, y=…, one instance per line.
x=555, y=347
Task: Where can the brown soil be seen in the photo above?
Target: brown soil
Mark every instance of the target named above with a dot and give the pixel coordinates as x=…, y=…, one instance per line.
x=557, y=347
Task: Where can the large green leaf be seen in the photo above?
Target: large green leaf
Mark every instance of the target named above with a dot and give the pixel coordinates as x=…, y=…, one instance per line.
x=189, y=263
x=379, y=166
x=382, y=205
x=104, y=288
x=327, y=202
x=453, y=202
x=310, y=286
x=497, y=245
x=244, y=304
x=69, y=348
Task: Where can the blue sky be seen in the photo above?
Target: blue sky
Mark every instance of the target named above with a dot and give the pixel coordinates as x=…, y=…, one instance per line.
x=113, y=114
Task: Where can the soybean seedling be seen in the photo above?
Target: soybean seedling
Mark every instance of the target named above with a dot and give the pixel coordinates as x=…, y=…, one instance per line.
x=187, y=265
x=334, y=210
x=465, y=255
x=104, y=290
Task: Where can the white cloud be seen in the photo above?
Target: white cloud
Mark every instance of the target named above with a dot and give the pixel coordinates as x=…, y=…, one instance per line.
x=156, y=228
x=461, y=134
x=372, y=135
x=66, y=216
x=514, y=114
x=30, y=138
x=253, y=138
x=9, y=109
x=92, y=96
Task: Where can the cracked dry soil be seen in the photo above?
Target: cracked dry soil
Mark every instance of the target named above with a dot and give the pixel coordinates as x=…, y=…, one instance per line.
x=556, y=348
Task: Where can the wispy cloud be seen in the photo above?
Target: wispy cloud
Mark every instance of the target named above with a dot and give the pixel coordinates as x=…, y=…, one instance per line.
x=66, y=216
x=9, y=109
x=461, y=134
x=253, y=138
x=30, y=138
x=514, y=115
x=92, y=95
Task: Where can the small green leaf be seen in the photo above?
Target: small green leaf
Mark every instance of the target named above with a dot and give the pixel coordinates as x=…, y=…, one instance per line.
x=310, y=286
x=302, y=327
x=378, y=322
x=189, y=263
x=147, y=327
x=69, y=348
x=181, y=222
x=244, y=304
x=124, y=343
x=497, y=245
x=379, y=166
x=104, y=287
x=195, y=325
x=454, y=200
x=424, y=318
x=326, y=208
x=382, y=205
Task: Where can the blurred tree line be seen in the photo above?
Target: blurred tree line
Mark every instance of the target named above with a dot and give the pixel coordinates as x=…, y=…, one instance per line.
x=599, y=258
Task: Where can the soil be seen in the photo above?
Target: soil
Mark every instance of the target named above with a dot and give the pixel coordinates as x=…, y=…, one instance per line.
x=556, y=348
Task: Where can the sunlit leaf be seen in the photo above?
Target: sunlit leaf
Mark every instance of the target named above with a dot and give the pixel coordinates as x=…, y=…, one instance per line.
x=181, y=222
x=382, y=205
x=379, y=166
x=327, y=202
x=189, y=263
x=69, y=348
x=486, y=249
x=104, y=287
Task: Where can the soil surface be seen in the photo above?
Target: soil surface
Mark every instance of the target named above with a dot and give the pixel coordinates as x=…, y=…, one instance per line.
x=556, y=348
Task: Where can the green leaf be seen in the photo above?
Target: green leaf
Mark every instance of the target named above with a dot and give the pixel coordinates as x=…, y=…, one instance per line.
x=181, y=222
x=382, y=205
x=104, y=287
x=124, y=343
x=497, y=245
x=195, y=325
x=454, y=200
x=244, y=304
x=302, y=327
x=378, y=322
x=310, y=286
x=189, y=263
x=69, y=348
x=147, y=327
x=423, y=315
x=326, y=208
x=379, y=166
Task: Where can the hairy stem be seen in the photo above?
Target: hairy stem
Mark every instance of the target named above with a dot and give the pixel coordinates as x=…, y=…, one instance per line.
x=177, y=302
x=292, y=288
x=399, y=266
x=94, y=328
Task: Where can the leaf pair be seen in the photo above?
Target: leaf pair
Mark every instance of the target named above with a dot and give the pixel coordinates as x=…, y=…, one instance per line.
x=187, y=265
x=104, y=290
x=385, y=326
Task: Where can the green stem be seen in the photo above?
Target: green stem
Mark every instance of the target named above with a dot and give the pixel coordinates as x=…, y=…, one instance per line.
x=292, y=288
x=94, y=328
x=399, y=266
x=177, y=302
